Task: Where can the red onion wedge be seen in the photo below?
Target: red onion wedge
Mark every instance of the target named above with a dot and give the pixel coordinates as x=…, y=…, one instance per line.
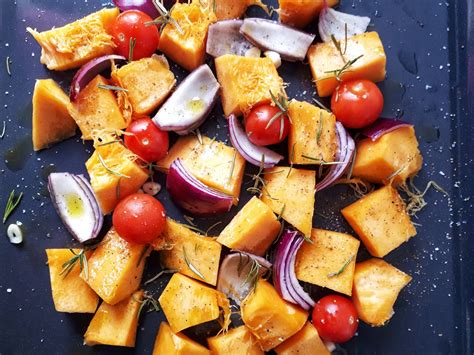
x=192, y=195
x=383, y=126
x=284, y=276
x=251, y=152
x=345, y=152
x=238, y=274
x=75, y=202
x=89, y=71
x=224, y=37
x=145, y=6
x=332, y=22
x=291, y=44
x=188, y=107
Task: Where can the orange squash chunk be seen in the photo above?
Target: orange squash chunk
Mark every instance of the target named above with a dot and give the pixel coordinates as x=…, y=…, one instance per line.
x=232, y=9
x=169, y=343
x=380, y=220
x=299, y=13
x=51, y=120
x=306, y=341
x=324, y=59
x=236, y=341
x=115, y=325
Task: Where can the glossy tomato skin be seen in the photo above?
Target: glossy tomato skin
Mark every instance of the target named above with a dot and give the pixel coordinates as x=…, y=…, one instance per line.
x=130, y=25
x=357, y=103
x=139, y=218
x=256, y=125
x=146, y=140
x=335, y=318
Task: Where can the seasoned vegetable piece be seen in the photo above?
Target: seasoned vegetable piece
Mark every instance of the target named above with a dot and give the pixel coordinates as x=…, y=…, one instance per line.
x=299, y=13
x=253, y=229
x=312, y=134
x=329, y=261
x=51, y=120
x=211, y=162
x=395, y=154
x=326, y=62
x=96, y=108
x=290, y=192
x=187, y=302
x=236, y=341
x=116, y=268
x=380, y=220
x=71, y=294
x=246, y=81
x=146, y=92
x=271, y=319
x=78, y=42
x=189, y=249
x=169, y=343
x=231, y=9
x=376, y=288
x=306, y=341
x=186, y=45
x=117, y=324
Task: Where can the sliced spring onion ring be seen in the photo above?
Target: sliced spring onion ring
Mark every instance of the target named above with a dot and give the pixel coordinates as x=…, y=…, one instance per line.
x=383, y=126
x=15, y=233
x=334, y=23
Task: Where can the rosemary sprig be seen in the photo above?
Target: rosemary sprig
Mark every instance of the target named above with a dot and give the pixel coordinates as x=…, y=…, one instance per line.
x=7, y=64
x=337, y=44
x=282, y=103
x=396, y=173
x=148, y=301
x=109, y=170
x=3, y=130
x=195, y=229
x=232, y=167
x=308, y=239
x=142, y=255
x=208, y=230
x=191, y=266
x=320, y=104
x=165, y=18
x=338, y=72
x=131, y=48
x=320, y=127
x=71, y=263
x=253, y=274
x=189, y=219
x=111, y=87
x=321, y=161
x=110, y=142
x=344, y=266
x=158, y=275
x=12, y=203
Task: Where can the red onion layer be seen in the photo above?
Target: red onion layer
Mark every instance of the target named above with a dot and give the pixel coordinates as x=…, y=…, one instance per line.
x=383, y=126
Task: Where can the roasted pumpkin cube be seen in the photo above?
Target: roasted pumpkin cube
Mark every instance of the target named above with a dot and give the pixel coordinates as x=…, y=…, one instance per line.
x=290, y=193
x=115, y=268
x=169, y=343
x=190, y=248
x=246, y=81
x=299, y=13
x=186, y=45
x=211, y=162
x=271, y=319
x=70, y=293
x=253, y=229
x=52, y=122
x=145, y=92
x=365, y=51
x=376, y=288
x=78, y=42
x=187, y=302
x=329, y=261
x=395, y=154
x=380, y=220
x=236, y=341
x=312, y=134
x=117, y=324
x=306, y=341
x=232, y=9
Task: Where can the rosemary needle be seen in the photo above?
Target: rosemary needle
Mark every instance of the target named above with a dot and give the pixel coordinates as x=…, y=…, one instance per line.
x=344, y=266
x=109, y=170
x=12, y=203
x=191, y=266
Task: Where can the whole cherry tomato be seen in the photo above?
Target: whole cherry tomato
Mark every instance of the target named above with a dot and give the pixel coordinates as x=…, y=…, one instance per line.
x=146, y=140
x=266, y=125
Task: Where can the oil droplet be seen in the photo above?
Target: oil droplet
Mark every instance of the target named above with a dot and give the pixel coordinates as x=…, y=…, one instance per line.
x=408, y=61
x=51, y=168
x=429, y=134
x=16, y=157
x=195, y=105
x=74, y=205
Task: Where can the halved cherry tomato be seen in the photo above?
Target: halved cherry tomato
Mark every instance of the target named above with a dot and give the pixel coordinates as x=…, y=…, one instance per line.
x=139, y=218
x=146, y=140
x=335, y=318
x=357, y=103
x=130, y=26
x=266, y=125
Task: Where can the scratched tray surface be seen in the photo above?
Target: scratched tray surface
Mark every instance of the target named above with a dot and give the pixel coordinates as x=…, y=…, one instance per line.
x=426, y=47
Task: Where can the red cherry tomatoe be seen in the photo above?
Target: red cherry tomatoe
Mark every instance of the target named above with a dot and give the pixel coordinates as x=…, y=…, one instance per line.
x=266, y=124
x=146, y=140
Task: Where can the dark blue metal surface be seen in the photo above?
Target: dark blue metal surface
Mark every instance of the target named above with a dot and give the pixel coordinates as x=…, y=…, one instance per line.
x=430, y=81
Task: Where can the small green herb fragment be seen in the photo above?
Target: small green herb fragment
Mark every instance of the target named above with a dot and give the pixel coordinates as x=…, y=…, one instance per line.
x=77, y=258
x=109, y=170
x=111, y=87
x=148, y=301
x=232, y=167
x=131, y=48
x=12, y=203
x=158, y=275
x=344, y=266
x=320, y=127
x=191, y=266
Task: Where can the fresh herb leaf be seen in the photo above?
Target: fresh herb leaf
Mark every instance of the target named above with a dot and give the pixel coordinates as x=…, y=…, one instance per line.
x=208, y=230
x=338, y=72
x=148, y=301
x=131, y=48
x=158, y=275
x=12, y=203
x=189, y=219
x=320, y=104
x=232, y=167
x=71, y=263
x=337, y=44
x=320, y=127
x=191, y=266
x=344, y=266
x=108, y=143
x=321, y=161
x=109, y=170
x=111, y=87
x=165, y=18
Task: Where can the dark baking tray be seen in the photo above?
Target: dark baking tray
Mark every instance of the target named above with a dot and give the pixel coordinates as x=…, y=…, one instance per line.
x=430, y=49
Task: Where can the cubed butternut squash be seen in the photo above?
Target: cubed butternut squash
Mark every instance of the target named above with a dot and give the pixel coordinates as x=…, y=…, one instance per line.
x=380, y=220
x=245, y=82
x=376, y=288
x=78, y=42
x=169, y=343
x=186, y=45
x=117, y=324
x=232, y=9
x=306, y=341
x=115, y=268
x=71, y=294
x=187, y=302
x=299, y=13
x=271, y=319
x=325, y=60
x=253, y=229
x=290, y=193
x=329, y=261
x=312, y=134
x=395, y=154
x=51, y=120
x=211, y=162
x=237, y=341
